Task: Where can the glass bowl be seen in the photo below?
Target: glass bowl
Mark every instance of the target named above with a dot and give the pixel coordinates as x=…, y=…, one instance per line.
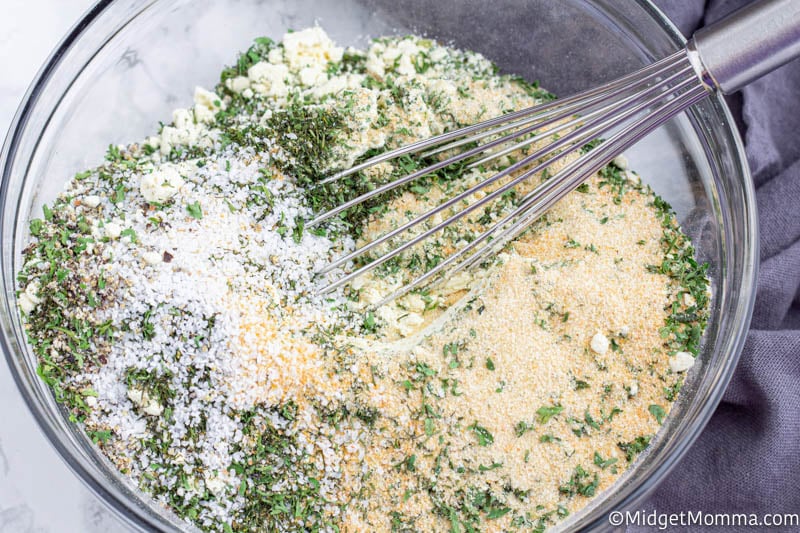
x=128, y=63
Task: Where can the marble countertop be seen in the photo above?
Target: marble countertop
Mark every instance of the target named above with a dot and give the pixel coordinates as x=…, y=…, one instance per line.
x=38, y=493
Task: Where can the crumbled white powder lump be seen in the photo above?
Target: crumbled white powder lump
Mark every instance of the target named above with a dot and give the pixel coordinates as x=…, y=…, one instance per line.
x=170, y=297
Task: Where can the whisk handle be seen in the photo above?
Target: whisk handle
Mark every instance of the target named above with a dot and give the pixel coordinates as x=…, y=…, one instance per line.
x=748, y=43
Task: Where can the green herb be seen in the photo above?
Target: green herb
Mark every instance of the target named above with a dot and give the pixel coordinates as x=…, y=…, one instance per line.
x=532, y=89
x=580, y=483
x=634, y=447
x=490, y=364
x=194, y=210
x=603, y=463
x=545, y=413
x=130, y=233
x=591, y=422
x=148, y=328
x=684, y=327
x=450, y=348
x=489, y=468
x=670, y=393
x=482, y=434
x=611, y=176
x=424, y=370
x=614, y=412
x=157, y=385
x=658, y=412
x=522, y=427
x=430, y=426
x=113, y=153
x=591, y=145
x=272, y=458
x=100, y=436
x=370, y=324
x=36, y=226
x=257, y=52
x=119, y=194
x=297, y=234
x=580, y=384
x=281, y=228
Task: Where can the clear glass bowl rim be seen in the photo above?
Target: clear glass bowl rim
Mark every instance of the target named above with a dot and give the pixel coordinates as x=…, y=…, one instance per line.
x=141, y=519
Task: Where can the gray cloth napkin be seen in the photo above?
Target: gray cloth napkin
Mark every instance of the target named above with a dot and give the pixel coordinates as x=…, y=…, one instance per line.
x=747, y=460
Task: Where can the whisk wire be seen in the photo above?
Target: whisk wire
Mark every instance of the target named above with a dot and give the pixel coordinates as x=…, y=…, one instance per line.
x=626, y=109
x=531, y=210
x=551, y=112
x=578, y=102
x=536, y=205
x=580, y=134
x=611, y=109
x=650, y=70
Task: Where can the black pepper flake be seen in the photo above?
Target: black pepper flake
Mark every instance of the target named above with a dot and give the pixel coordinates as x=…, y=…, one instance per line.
x=167, y=257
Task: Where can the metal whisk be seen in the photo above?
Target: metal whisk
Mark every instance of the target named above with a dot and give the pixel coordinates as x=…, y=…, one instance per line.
x=724, y=57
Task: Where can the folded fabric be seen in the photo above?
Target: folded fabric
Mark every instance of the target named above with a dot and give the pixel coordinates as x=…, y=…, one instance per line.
x=747, y=460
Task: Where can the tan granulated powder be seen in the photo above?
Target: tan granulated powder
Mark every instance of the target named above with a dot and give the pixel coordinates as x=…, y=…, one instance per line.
x=522, y=346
